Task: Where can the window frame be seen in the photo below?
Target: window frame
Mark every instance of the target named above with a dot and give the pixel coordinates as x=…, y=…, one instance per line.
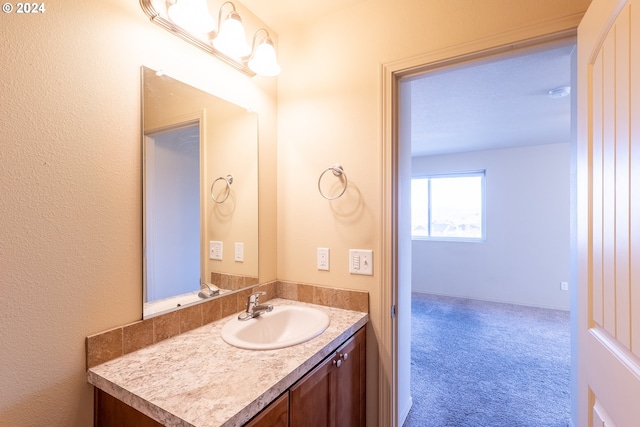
x=482, y=173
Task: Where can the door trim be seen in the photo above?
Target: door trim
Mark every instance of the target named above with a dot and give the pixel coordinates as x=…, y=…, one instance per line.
x=390, y=73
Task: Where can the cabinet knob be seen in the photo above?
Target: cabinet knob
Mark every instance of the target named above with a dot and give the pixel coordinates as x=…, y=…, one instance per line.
x=344, y=356
x=338, y=363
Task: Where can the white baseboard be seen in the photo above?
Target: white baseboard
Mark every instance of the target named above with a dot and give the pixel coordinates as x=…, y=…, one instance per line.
x=405, y=412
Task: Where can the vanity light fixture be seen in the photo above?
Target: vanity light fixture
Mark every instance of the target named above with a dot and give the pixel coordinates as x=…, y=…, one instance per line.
x=192, y=15
x=263, y=59
x=190, y=20
x=231, y=39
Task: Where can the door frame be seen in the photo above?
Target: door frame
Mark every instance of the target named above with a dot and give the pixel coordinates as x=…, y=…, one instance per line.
x=391, y=72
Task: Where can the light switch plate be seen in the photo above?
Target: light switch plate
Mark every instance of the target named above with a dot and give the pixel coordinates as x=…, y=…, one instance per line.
x=215, y=250
x=361, y=261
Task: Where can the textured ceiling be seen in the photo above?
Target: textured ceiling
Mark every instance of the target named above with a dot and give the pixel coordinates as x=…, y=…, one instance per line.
x=496, y=103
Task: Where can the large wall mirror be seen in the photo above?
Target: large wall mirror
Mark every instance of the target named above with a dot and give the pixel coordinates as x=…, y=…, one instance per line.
x=200, y=195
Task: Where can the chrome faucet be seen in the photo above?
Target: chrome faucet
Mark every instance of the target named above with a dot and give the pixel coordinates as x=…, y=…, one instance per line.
x=208, y=290
x=254, y=308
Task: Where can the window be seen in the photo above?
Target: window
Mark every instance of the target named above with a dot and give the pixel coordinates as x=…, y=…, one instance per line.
x=448, y=207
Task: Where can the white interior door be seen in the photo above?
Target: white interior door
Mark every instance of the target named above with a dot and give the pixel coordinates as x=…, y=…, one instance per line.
x=609, y=215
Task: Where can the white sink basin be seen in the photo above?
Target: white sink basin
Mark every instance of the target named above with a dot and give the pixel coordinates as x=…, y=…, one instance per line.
x=285, y=326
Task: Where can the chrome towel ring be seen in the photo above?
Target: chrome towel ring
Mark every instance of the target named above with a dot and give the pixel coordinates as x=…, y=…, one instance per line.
x=228, y=180
x=338, y=171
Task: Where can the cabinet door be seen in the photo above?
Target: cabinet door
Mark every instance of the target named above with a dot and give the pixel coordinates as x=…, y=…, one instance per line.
x=274, y=415
x=350, y=396
x=333, y=394
x=111, y=412
x=311, y=404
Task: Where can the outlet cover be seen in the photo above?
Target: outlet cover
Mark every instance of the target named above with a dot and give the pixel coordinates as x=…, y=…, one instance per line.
x=323, y=259
x=239, y=252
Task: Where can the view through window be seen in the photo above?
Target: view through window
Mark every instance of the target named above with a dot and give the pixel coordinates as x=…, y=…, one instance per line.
x=448, y=207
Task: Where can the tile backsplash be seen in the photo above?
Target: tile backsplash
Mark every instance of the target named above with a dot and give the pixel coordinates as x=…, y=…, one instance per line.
x=116, y=342
x=233, y=281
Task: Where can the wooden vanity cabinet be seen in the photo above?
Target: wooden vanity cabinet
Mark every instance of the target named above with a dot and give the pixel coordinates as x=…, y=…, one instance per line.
x=333, y=393
x=274, y=415
x=111, y=412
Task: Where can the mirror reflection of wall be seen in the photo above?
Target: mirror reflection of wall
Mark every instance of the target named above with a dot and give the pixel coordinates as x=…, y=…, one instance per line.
x=192, y=138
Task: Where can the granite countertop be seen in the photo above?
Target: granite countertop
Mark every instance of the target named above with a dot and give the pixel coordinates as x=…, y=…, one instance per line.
x=197, y=379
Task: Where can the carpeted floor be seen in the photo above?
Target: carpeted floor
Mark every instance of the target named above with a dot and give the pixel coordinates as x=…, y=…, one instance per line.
x=483, y=364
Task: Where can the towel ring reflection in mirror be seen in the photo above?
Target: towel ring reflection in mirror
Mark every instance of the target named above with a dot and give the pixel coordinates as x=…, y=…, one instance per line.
x=337, y=171
x=228, y=180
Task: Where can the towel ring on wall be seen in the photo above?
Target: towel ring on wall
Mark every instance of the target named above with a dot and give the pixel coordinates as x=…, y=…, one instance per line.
x=337, y=171
x=228, y=181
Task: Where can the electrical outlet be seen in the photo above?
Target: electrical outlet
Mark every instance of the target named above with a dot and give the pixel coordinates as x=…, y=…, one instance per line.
x=239, y=252
x=215, y=250
x=323, y=259
x=564, y=286
x=361, y=261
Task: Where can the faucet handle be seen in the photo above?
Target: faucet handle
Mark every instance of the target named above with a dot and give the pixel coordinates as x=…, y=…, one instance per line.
x=256, y=296
x=253, y=300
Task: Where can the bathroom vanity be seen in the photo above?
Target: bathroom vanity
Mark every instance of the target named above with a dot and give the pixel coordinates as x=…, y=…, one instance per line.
x=197, y=379
x=332, y=394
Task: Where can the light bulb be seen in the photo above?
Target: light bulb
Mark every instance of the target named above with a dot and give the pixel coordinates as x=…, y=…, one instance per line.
x=264, y=60
x=231, y=39
x=192, y=15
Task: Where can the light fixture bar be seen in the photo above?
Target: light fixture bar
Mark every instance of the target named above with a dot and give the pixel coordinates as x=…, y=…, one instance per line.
x=158, y=19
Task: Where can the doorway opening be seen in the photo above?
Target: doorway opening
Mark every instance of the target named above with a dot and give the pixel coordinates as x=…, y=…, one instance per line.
x=172, y=211
x=511, y=117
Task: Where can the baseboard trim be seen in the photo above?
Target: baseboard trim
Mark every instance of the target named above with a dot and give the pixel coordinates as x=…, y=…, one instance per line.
x=477, y=298
x=405, y=411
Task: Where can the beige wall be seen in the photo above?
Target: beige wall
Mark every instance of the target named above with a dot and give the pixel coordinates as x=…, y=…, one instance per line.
x=329, y=110
x=70, y=166
x=71, y=189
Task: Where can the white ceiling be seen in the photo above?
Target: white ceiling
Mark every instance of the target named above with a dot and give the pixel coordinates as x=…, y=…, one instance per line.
x=282, y=14
x=496, y=103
